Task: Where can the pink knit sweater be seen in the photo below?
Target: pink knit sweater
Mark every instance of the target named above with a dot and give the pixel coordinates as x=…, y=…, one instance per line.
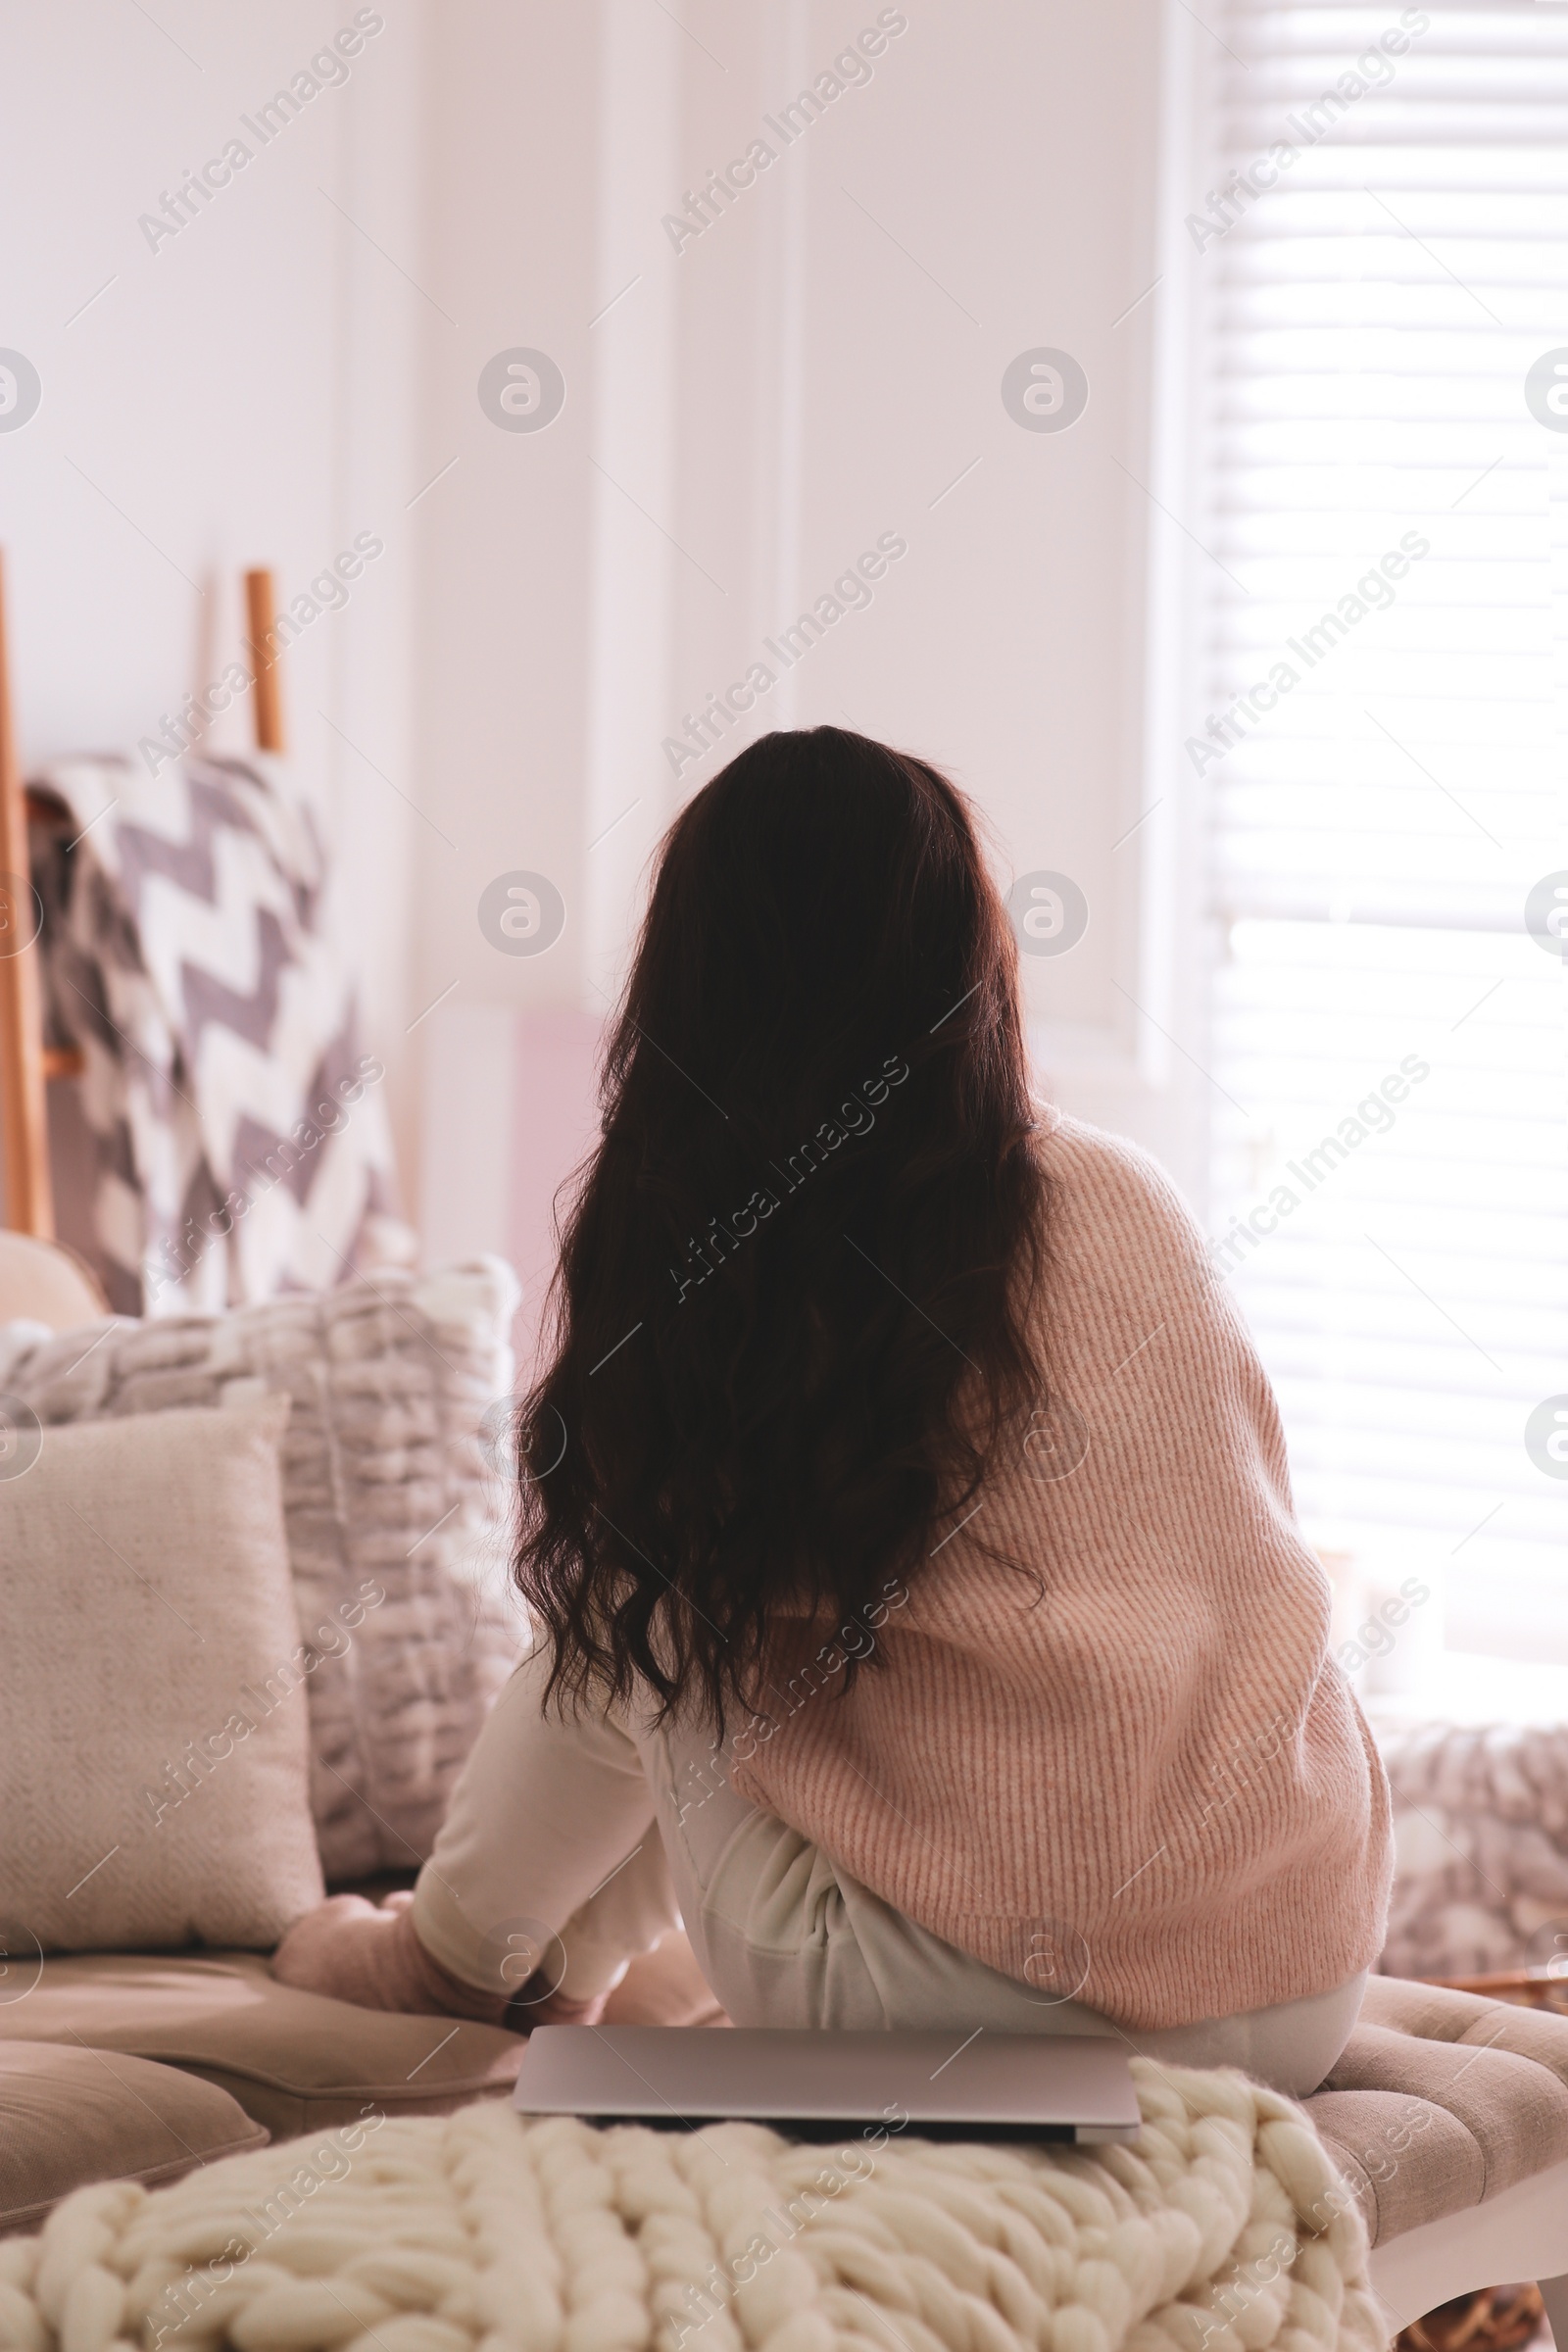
x=1133, y=1774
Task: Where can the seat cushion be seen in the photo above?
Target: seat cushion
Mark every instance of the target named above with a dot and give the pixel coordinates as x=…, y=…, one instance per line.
x=294, y=2061
x=297, y=2061
x=69, y=2116
x=1441, y=2100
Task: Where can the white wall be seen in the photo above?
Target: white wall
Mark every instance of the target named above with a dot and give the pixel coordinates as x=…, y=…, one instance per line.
x=991, y=189
x=815, y=369
x=742, y=419
x=240, y=393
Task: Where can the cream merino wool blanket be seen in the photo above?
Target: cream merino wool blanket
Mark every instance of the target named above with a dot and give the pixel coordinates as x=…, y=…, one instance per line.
x=1225, y=2225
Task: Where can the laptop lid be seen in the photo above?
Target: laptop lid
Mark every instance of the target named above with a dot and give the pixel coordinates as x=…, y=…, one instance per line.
x=1027, y=2086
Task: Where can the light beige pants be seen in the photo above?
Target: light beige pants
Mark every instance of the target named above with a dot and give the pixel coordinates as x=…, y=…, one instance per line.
x=573, y=1845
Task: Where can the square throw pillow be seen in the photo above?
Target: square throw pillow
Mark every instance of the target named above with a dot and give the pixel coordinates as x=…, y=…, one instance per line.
x=154, y=1760
x=398, y=1524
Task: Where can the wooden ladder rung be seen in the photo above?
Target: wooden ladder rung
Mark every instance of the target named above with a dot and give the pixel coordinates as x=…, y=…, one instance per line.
x=63, y=1061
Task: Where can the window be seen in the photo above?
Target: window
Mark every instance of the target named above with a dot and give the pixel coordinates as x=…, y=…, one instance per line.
x=1381, y=734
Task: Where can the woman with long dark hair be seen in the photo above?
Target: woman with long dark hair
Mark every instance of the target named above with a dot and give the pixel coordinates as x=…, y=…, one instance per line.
x=905, y=1524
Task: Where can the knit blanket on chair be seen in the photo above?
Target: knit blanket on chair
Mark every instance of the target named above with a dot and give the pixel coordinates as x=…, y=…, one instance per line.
x=1481, y=1830
x=1224, y=2224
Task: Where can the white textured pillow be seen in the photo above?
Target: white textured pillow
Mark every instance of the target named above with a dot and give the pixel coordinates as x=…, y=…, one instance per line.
x=154, y=1777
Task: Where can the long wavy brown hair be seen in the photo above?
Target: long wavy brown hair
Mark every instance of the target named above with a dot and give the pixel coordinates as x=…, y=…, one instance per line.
x=791, y=1321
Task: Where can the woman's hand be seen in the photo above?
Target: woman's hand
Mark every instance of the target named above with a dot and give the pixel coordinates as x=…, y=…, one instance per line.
x=353, y=1951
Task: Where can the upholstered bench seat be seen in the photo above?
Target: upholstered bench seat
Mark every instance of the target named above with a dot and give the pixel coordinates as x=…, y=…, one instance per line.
x=1448, y=2116
x=1441, y=2101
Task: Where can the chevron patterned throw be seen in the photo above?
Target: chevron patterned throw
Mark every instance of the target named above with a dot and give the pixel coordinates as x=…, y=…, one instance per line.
x=241, y=1144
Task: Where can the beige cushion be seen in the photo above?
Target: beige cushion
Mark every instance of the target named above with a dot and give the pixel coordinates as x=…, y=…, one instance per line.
x=294, y=2061
x=297, y=2061
x=69, y=2116
x=153, y=1787
x=398, y=1527
x=1441, y=2100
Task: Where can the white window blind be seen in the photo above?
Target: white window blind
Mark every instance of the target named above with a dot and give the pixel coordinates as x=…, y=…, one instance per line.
x=1367, y=323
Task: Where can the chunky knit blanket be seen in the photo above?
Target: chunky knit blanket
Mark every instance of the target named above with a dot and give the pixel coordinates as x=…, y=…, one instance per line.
x=1480, y=1825
x=480, y=2233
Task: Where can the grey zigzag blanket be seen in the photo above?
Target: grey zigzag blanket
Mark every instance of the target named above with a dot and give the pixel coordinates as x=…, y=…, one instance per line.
x=240, y=1140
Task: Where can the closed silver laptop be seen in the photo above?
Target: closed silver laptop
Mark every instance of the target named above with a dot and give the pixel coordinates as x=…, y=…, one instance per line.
x=1018, y=2087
